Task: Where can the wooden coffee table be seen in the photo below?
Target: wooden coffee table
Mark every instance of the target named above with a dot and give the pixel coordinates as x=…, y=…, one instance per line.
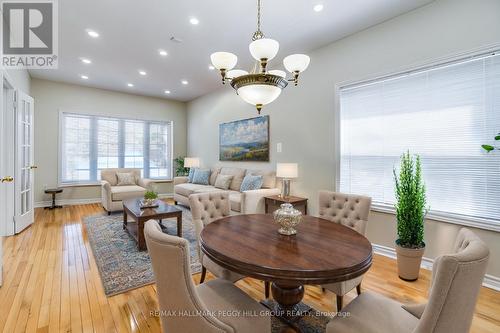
x=132, y=208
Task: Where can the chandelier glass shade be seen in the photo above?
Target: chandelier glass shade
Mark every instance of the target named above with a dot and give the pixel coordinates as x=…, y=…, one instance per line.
x=261, y=86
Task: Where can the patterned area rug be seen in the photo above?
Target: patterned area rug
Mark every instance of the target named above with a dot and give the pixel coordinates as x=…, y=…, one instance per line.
x=310, y=320
x=122, y=267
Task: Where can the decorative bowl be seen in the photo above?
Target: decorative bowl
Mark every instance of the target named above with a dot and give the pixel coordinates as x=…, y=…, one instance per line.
x=149, y=203
x=288, y=218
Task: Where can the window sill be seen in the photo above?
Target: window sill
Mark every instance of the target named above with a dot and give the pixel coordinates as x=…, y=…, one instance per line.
x=99, y=184
x=468, y=221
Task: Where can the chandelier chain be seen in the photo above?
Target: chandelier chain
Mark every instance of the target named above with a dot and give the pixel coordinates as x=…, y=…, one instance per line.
x=258, y=34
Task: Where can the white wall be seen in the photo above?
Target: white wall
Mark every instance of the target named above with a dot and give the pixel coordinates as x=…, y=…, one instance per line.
x=303, y=117
x=21, y=79
x=51, y=97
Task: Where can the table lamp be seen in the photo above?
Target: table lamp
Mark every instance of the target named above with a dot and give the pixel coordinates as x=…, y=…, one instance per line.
x=286, y=171
x=191, y=162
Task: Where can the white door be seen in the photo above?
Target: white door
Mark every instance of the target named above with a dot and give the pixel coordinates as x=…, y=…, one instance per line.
x=24, y=162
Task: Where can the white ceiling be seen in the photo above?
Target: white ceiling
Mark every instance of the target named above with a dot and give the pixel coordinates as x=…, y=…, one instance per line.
x=131, y=32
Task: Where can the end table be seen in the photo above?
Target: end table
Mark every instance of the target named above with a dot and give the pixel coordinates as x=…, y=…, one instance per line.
x=53, y=191
x=277, y=200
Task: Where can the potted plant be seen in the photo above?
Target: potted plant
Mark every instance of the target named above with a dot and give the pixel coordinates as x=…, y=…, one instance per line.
x=150, y=198
x=410, y=213
x=489, y=148
x=180, y=170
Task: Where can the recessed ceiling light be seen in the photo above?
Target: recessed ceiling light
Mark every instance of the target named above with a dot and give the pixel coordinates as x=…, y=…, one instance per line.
x=194, y=21
x=167, y=92
x=318, y=7
x=86, y=61
x=84, y=77
x=184, y=82
x=163, y=53
x=142, y=72
x=211, y=67
x=92, y=33
x=130, y=85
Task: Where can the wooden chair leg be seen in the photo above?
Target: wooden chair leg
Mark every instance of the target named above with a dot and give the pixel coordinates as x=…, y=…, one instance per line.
x=109, y=213
x=323, y=289
x=339, y=303
x=203, y=274
x=266, y=287
x=358, y=289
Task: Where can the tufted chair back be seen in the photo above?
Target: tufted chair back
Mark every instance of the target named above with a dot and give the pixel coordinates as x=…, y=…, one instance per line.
x=347, y=209
x=456, y=280
x=206, y=208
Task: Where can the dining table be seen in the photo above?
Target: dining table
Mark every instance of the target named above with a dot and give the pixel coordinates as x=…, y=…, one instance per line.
x=321, y=252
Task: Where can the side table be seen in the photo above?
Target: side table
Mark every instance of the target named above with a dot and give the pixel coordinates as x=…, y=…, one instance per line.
x=277, y=200
x=53, y=191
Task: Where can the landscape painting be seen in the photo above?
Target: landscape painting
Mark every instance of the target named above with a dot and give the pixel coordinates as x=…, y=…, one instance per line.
x=245, y=140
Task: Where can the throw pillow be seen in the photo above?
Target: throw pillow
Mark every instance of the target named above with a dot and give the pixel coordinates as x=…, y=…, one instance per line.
x=191, y=175
x=223, y=181
x=251, y=182
x=201, y=176
x=125, y=178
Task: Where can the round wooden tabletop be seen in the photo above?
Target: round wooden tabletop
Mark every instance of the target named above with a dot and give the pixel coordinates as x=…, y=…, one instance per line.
x=321, y=251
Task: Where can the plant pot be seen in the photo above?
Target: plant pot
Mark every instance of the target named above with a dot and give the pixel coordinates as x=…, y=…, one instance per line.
x=409, y=262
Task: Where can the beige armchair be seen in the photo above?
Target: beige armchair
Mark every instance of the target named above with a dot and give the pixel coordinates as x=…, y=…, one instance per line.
x=112, y=195
x=456, y=280
x=204, y=306
x=206, y=208
x=351, y=211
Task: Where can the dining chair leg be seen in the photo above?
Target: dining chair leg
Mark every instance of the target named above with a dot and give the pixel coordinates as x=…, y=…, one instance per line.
x=358, y=289
x=203, y=273
x=339, y=303
x=266, y=287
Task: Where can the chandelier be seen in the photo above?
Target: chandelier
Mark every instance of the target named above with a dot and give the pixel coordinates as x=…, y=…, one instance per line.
x=261, y=86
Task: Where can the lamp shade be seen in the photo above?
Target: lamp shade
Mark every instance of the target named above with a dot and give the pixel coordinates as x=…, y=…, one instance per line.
x=235, y=73
x=296, y=62
x=259, y=93
x=191, y=162
x=223, y=60
x=287, y=170
x=264, y=48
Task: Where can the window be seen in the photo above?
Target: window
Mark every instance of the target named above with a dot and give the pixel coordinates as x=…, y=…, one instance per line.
x=91, y=143
x=443, y=113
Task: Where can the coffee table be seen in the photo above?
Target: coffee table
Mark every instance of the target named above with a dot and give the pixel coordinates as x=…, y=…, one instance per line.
x=132, y=208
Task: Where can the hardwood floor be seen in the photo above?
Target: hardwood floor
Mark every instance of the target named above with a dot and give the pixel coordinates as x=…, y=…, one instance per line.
x=51, y=284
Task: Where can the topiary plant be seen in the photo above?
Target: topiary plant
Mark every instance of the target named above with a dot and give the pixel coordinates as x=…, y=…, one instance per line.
x=489, y=148
x=410, y=202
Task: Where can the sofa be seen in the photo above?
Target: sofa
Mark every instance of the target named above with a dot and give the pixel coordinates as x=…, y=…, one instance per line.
x=112, y=195
x=246, y=202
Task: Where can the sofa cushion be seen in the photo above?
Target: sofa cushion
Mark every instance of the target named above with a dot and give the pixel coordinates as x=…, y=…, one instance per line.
x=201, y=176
x=269, y=177
x=235, y=200
x=213, y=175
x=191, y=174
x=125, y=178
x=238, y=175
x=109, y=176
x=223, y=181
x=120, y=193
x=186, y=189
x=251, y=182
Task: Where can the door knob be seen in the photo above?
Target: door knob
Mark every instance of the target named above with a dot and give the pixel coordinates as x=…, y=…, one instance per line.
x=33, y=166
x=7, y=179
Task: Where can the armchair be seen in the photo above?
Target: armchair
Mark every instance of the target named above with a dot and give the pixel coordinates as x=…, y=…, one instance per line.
x=112, y=194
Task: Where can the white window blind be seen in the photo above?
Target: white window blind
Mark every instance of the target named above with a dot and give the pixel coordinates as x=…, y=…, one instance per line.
x=443, y=113
x=91, y=143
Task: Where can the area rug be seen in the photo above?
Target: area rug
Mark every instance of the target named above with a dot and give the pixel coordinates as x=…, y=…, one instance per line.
x=121, y=265
x=310, y=320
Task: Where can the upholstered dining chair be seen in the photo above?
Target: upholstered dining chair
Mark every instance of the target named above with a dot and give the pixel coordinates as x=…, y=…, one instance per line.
x=203, y=306
x=352, y=211
x=207, y=208
x=456, y=281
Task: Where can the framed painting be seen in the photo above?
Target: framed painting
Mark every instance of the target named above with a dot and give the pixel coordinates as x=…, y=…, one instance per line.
x=245, y=140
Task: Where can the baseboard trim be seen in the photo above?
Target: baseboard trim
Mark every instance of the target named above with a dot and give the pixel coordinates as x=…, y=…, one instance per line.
x=489, y=281
x=72, y=202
